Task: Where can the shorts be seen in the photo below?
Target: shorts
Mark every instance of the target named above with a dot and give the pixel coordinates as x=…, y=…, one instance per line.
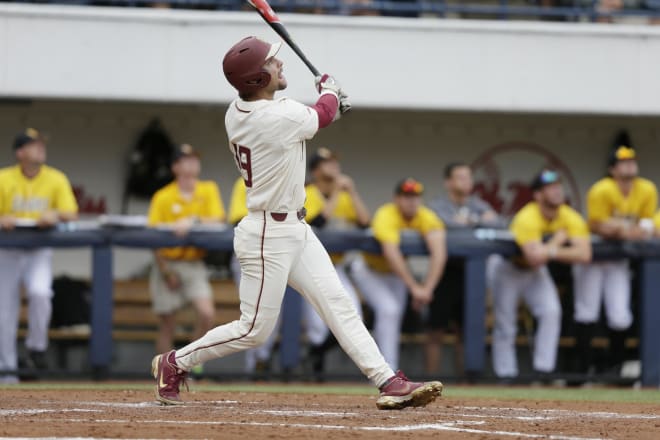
x=194, y=284
x=446, y=309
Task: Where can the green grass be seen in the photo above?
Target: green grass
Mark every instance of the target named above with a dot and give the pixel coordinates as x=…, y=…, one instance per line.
x=463, y=392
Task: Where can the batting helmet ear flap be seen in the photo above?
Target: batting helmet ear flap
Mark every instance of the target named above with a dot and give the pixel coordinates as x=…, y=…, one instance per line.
x=259, y=79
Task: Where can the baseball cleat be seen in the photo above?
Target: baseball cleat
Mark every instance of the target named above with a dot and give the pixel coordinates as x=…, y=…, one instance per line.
x=169, y=378
x=399, y=392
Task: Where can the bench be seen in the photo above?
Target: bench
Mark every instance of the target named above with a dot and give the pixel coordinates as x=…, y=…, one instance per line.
x=134, y=320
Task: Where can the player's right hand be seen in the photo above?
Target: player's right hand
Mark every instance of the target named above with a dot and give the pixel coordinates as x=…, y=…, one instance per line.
x=326, y=82
x=344, y=103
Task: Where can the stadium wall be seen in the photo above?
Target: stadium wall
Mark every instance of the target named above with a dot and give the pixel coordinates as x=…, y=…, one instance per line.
x=153, y=55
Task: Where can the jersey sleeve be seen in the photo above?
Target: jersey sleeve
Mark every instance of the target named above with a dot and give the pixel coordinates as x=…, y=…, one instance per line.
x=214, y=207
x=298, y=123
x=429, y=221
x=155, y=215
x=576, y=226
x=64, y=200
x=598, y=204
x=238, y=202
x=525, y=230
x=384, y=227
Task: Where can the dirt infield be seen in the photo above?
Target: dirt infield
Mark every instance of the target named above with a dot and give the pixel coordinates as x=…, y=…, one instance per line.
x=134, y=414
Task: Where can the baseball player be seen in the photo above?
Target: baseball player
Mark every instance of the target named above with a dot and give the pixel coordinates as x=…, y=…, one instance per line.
x=459, y=208
x=620, y=207
x=384, y=280
x=332, y=202
x=273, y=243
x=527, y=275
x=179, y=275
x=30, y=193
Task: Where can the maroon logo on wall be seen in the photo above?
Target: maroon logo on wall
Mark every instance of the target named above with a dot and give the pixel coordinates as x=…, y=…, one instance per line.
x=87, y=204
x=502, y=175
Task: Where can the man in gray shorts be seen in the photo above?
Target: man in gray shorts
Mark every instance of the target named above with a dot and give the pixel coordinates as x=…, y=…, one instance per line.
x=179, y=275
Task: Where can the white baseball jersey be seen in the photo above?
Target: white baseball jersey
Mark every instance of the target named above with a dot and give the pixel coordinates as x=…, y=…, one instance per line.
x=267, y=139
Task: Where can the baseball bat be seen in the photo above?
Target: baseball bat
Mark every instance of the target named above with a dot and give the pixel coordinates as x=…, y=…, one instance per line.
x=267, y=13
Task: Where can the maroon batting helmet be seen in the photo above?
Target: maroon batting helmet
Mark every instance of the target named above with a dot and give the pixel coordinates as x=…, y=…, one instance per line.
x=243, y=64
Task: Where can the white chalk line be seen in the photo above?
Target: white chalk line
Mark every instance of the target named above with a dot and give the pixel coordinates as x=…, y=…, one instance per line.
x=29, y=412
x=481, y=411
x=565, y=412
x=444, y=426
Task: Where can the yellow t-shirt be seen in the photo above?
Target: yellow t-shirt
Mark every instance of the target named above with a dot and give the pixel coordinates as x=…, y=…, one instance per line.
x=388, y=223
x=344, y=214
x=238, y=202
x=530, y=225
x=168, y=206
x=344, y=210
x=29, y=198
x=605, y=200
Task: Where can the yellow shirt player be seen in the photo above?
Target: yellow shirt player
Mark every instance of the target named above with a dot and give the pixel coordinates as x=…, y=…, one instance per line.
x=545, y=229
x=179, y=275
x=385, y=279
x=31, y=194
x=619, y=207
x=618, y=203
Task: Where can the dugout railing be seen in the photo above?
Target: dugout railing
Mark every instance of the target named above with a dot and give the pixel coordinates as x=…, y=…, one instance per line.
x=471, y=246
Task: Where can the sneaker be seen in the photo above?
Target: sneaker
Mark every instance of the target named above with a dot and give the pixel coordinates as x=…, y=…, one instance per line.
x=169, y=378
x=36, y=360
x=399, y=392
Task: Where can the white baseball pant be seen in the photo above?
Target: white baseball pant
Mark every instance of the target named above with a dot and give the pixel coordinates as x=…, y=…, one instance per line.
x=32, y=269
x=603, y=281
x=262, y=352
x=538, y=290
x=271, y=254
x=316, y=329
x=387, y=295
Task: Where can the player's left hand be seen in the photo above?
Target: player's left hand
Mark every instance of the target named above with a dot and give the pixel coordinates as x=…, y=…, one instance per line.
x=327, y=82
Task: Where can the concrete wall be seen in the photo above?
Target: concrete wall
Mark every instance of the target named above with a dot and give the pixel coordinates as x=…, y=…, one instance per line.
x=90, y=141
x=174, y=56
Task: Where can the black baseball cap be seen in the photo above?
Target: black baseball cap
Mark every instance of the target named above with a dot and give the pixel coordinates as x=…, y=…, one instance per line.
x=545, y=177
x=184, y=150
x=622, y=152
x=27, y=136
x=409, y=187
x=319, y=156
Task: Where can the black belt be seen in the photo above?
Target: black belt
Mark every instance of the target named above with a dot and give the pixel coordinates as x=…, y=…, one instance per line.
x=281, y=216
